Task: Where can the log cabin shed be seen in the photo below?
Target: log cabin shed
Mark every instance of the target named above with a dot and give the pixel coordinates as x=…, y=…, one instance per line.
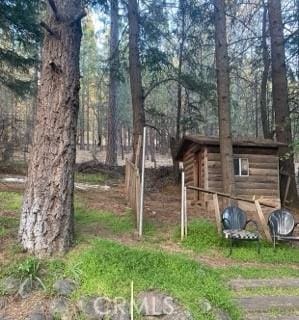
x=256, y=167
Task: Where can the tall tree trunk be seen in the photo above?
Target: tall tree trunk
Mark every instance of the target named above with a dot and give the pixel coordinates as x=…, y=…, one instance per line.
x=111, y=154
x=175, y=142
x=224, y=117
x=46, y=225
x=266, y=64
x=135, y=74
x=280, y=95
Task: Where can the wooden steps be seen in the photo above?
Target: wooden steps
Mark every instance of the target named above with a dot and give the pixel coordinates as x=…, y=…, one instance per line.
x=284, y=306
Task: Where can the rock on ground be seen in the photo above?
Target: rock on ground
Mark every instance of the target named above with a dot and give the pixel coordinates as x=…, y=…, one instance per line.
x=64, y=287
x=25, y=288
x=10, y=285
x=155, y=305
x=99, y=308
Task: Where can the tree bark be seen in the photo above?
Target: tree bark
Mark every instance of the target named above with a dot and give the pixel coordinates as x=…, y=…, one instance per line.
x=280, y=96
x=266, y=64
x=111, y=155
x=135, y=74
x=224, y=117
x=47, y=225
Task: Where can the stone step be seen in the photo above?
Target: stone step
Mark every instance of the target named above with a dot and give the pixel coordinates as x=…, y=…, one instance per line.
x=267, y=316
x=268, y=303
x=240, y=284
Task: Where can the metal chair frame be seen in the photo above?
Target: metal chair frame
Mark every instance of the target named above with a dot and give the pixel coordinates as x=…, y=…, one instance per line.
x=242, y=227
x=288, y=235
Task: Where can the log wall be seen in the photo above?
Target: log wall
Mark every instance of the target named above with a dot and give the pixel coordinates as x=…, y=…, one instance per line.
x=194, y=169
x=263, y=179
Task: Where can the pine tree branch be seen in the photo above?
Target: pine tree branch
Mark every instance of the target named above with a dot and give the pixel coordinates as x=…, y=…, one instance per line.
x=153, y=127
x=54, y=9
x=157, y=84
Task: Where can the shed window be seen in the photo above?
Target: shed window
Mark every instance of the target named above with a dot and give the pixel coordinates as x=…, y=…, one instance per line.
x=241, y=167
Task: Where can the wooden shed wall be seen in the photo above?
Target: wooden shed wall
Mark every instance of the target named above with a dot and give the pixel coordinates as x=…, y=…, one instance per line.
x=189, y=166
x=194, y=167
x=263, y=179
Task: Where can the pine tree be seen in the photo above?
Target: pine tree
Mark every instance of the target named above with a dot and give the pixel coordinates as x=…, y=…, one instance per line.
x=111, y=155
x=224, y=118
x=20, y=35
x=47, y=225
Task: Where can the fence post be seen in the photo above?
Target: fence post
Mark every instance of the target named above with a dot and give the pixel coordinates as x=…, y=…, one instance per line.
x=185, y=212
x=142, y=184
x=183, y=206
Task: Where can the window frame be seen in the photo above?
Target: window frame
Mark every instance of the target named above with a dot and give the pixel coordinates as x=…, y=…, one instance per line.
x=240, y=167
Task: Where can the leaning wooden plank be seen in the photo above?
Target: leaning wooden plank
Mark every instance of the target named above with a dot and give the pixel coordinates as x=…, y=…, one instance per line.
x=263, y=220
x=217, y=212
x=286, y=193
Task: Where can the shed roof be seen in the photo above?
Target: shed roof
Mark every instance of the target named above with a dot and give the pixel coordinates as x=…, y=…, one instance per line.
x=214, y=141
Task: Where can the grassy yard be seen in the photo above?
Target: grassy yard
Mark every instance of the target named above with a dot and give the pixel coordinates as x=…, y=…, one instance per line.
x=202, y=237
x=91, y=178
x=106, y=259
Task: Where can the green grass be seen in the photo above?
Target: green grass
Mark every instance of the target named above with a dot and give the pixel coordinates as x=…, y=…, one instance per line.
x=10, y=201
x=108, y=221
x=267, y=292
x=202, y=236
x=107, y=268
x=7, y=225
x=265, y=272
x=90, y=178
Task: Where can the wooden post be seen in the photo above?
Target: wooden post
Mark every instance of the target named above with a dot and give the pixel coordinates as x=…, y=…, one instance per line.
x=286, y=193
x=185, y=213
x=217, y=213
x=132, y=301
x=137, y=157
x=183, y=206
x=137, y=198
x=142, y=184
x=263, y=220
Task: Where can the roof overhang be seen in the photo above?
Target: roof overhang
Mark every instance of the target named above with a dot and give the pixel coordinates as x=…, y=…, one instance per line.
x=214, y=141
